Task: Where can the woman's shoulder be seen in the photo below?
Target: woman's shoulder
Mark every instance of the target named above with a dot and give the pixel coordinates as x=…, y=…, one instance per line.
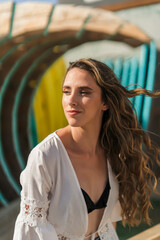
x=47, y=151
x=48, y=143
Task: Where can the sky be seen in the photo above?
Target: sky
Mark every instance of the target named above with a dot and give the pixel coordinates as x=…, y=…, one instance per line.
x=52, y=1
x=81, y=2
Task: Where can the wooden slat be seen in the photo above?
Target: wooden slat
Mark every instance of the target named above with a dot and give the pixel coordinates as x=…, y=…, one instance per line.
x=5, y=16
x=152, y=233
x=31, y=16
x=101, y=21
x=128, y=4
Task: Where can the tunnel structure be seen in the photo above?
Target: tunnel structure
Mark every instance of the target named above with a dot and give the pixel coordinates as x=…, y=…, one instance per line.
x=31, y=44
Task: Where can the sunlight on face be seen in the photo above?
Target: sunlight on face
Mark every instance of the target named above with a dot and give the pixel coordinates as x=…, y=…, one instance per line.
x=82, y=100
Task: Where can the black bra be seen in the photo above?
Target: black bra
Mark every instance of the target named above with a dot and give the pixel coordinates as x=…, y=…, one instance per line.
x=102, y=202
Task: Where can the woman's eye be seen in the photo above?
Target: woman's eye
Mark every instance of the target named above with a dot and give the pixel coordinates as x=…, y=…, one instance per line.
x=84, y=93
x=66, y=92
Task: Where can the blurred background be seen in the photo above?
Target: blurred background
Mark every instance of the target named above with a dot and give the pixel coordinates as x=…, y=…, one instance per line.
x=38, y=39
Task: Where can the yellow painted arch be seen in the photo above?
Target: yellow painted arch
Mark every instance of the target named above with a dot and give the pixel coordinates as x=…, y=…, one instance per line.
x=47, y=106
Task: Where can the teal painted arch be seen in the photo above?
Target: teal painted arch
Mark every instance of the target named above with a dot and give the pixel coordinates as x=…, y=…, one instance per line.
x=150, y=80
x=3, y=200
x=118, y=66
x=134, y=68
x=125, y=73
x=141, y=80
x=109, y=63
x=3, y=162
x=138, y=72
x=133, y=73
x=18, y=99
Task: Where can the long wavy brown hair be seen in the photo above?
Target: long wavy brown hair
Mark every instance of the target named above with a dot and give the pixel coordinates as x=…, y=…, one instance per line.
x=128, y=148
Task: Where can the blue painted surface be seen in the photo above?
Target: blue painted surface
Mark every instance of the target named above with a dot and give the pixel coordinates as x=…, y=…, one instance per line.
x=109, y=63
x=32, y=132
x=149, y=84
x=125, y=73
x=138, y=72
x=134, y=67
x=133, y=73
x=118, y=65
x=143, y=62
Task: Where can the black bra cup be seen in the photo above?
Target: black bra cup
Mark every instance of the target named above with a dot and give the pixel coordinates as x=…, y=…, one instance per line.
x=102, y=202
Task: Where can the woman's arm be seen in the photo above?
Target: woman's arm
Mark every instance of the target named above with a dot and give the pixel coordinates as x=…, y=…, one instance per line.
x=32, y=222
x=114, y=224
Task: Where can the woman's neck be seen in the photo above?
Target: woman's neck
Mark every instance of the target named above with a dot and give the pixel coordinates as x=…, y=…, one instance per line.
x=86, y=141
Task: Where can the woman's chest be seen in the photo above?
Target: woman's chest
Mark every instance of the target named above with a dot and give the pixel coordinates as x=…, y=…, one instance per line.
x=91, y=174
x=94, y=219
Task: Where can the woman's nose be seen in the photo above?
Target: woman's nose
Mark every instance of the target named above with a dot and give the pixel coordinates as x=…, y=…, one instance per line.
x=73, y=99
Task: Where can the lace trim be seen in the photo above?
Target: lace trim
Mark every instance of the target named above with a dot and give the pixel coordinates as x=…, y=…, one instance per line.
x=33, y=211
x=108, y=232
x=61, y=237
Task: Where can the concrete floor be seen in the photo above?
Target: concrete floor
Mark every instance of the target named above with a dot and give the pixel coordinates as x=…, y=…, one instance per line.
x=7, y=220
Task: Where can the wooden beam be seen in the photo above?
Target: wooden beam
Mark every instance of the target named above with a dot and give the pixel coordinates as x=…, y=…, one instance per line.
x=152, y=233
x=128, y=4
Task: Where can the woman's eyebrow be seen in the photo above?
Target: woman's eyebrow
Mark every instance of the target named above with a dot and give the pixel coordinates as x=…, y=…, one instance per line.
x=65, y=86
x=85, y=88
x=81, y=87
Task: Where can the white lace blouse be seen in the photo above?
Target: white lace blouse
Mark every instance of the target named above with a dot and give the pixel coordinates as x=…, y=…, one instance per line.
x=52, y=203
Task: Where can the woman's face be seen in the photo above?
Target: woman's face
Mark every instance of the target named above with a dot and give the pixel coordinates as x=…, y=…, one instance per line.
x=82, y=100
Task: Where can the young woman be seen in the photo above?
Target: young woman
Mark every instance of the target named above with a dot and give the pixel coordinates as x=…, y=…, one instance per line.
x=83, y=178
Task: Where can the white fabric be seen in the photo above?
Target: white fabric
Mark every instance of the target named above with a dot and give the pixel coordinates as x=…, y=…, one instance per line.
x=52, y=203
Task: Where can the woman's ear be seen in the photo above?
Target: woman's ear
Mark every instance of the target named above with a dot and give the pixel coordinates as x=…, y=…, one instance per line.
x=105, y=107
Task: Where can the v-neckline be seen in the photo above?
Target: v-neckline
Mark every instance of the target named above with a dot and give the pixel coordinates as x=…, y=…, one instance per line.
x=96, y=203
x=79, y=187
x=76, y=177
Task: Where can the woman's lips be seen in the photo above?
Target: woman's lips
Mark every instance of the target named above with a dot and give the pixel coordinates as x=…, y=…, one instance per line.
x=73, y=112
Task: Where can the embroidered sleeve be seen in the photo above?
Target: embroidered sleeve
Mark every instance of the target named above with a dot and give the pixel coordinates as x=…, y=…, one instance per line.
x=33, y=212
x=36, y=181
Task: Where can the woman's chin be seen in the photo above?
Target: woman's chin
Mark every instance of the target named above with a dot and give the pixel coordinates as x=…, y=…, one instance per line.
x=74, y=123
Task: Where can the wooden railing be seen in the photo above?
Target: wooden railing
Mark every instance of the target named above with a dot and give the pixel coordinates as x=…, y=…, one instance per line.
x=152, y=233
